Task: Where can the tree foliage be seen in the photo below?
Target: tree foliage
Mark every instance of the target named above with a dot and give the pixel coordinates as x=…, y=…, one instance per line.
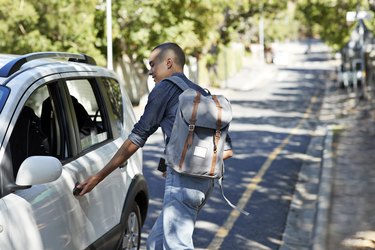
x=141, y=25
x=57, y=25
x=199, y=26
x=327, y=19
x=138, y=25
x=194, y=24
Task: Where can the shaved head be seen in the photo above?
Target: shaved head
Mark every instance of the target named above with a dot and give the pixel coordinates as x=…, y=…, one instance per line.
x=164, y=48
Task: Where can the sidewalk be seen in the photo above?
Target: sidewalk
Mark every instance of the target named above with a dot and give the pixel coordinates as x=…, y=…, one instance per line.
x=334, y=201
x=350, y=218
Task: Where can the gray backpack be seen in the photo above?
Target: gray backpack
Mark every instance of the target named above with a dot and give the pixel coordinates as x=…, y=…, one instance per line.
x=198, y=136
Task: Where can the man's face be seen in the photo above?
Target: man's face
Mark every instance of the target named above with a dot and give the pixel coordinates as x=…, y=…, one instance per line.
x=159, y=67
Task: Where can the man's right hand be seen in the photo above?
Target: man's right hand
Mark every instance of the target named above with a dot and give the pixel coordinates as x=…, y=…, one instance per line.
x=88, y=184
x=126, y=150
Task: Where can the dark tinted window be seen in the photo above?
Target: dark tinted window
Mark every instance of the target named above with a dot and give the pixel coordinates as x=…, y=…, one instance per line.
x=35, y=132
x=114, y=94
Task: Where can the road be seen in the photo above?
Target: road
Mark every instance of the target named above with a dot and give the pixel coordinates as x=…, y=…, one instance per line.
x=276, y=109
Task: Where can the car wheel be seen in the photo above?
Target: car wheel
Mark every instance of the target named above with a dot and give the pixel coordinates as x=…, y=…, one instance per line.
x=131, y=236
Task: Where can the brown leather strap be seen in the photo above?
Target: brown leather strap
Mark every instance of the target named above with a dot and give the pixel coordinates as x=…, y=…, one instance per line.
x=192, y=121
x=219, y=112
x=193, y=118
x=217, y=134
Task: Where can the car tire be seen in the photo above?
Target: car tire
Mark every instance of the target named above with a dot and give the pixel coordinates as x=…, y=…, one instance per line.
x=131, y=235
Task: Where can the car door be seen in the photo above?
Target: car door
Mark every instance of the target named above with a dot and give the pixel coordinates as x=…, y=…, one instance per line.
x=34, y=217
x=85, y=143
x=97, y=141
x=48, y=216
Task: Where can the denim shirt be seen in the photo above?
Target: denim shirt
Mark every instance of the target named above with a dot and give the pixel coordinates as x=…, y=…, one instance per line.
x=160, y=111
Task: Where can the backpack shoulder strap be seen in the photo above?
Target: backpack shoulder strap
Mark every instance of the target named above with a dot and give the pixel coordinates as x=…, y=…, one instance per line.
x=179, y=82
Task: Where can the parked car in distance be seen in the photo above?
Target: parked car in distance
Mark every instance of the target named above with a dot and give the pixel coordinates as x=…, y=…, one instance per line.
x=62, y=119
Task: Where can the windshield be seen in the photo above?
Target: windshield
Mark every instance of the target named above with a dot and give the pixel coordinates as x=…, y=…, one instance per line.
x=4, y=93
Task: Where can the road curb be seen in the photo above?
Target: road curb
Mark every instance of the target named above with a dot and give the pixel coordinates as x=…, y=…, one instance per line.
x=325, y=192
x=307, y=217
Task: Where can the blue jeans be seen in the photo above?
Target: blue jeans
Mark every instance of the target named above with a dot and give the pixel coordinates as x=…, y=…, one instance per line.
x=184, y=196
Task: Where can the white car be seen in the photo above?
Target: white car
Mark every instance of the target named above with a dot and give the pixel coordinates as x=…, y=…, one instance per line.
x=61, y=121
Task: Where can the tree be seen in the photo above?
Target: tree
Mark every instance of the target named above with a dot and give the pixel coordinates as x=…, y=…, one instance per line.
x=327, y=19
x=63, y=25
x=240, y=19
x=141, y=25
x=17, y=28
x=138, y=25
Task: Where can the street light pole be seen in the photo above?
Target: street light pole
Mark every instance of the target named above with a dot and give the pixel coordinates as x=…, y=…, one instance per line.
x=109, y=34
x=261, y=37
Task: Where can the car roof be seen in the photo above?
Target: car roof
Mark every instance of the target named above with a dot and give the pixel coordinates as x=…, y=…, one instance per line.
x=11, y=64
x=5, y=58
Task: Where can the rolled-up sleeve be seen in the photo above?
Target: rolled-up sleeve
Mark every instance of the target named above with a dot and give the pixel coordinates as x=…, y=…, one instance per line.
x=136, y=139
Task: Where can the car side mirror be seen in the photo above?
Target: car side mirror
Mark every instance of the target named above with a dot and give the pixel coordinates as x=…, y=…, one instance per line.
x=38, y=170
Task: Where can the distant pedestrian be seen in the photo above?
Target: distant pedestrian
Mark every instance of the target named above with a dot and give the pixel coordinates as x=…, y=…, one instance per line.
x=184, y=195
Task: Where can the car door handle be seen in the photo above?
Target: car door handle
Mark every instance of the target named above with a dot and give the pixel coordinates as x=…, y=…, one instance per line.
x=124, y=165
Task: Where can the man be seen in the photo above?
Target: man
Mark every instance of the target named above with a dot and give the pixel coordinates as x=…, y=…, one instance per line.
x=184, y=195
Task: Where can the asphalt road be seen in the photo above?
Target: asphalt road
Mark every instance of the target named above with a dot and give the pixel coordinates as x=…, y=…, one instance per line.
x=275, y=111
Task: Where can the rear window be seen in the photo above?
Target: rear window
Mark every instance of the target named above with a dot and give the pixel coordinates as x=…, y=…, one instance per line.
x=115, y=98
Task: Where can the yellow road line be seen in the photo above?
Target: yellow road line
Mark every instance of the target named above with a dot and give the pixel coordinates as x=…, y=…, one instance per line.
x=224, y=230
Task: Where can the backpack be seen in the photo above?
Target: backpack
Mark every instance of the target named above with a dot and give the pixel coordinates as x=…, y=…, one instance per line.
x=196, y=144
x=198, y=136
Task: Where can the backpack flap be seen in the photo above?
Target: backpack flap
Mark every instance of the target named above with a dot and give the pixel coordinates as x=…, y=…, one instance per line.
x=207, y=114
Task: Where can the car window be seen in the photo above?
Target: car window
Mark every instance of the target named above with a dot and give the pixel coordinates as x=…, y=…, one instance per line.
x=114, y=94
x=37, y=130
x=91, y=125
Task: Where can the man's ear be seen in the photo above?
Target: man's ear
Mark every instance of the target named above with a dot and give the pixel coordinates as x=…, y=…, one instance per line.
x=169, y=63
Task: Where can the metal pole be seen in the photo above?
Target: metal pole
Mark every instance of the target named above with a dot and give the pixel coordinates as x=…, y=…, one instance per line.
x=261, y=37
x=363, y=62
x=109, y=34
x=361, y=31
